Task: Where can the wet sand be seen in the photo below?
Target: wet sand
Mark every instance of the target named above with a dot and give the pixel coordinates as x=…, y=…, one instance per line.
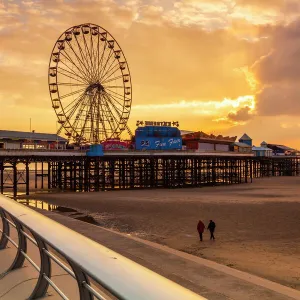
x=258, y=224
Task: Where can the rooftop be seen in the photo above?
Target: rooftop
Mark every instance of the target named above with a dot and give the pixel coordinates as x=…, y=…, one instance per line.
x=202, y=135
x=280, y=147
x=246, y=137
x=261, y=149
x=22, y=135
x=242, y=145
x=183, y=132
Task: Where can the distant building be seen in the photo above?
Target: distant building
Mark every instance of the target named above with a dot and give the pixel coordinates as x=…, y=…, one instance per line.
x=280, y=149
x=263, y=150
x=246, y=139
x=158, y=138
x=183, y=132
x=244, y=145
x=207, y=142
x=30, y=140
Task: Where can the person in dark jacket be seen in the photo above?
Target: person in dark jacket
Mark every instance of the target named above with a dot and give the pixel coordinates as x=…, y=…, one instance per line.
x=211, y=227
x=200, y=228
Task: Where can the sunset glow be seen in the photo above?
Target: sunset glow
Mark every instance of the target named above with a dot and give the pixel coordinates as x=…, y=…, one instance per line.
x=223, y=66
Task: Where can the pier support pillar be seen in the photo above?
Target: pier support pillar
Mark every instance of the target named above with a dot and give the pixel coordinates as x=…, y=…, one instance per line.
x=27, y=178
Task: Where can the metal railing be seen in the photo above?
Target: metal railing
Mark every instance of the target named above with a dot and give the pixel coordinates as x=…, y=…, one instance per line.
x=87, y=260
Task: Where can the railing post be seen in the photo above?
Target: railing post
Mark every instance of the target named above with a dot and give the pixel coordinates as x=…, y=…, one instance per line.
x=22, y=247
x=81, y=280
x=5, y=231
x=27, y=178
x=42, y=285
x=15, y=179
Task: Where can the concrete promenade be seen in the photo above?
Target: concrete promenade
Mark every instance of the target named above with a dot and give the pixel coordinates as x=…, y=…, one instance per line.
x=207, y=278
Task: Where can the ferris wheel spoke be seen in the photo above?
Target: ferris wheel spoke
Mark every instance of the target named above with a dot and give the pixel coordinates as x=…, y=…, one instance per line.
x=60, y=129
x=71, y=71
x=104, y=67
x=74, y=104
x=102, y=55
x=86, y=119
x=110, y=72
x=94, y=58
x=86, y=64
x=112, y=119
x=72, y=93
x=79, y=114
x=118, y=110
x=101, y=116
x=83, y=66
x=119, y=119
x=87, y=51
x=65, y=110
x=110, y=67
x=87, y=115
x=94, y=120
x=68, y=75
x=71, y=61
x=71, y=84
x=109, y=116
x=75, y=65
x=98, y=120
x=98, y=56
x=116, y=98
x=69, y=114
x=115, y=86
x=120, y=95
x=115, y=78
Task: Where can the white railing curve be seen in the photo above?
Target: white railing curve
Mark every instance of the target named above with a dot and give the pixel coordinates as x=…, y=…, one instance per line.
x=88, y=260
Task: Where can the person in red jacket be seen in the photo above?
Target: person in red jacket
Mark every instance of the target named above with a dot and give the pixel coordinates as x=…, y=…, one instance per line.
x=200, y=228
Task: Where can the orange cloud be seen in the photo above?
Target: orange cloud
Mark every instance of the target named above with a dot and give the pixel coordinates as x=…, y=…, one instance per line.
x=200, y=51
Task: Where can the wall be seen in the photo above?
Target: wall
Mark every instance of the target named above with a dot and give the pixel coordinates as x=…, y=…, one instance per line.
x=12, y=145
x=206, y=146
x=221, y=147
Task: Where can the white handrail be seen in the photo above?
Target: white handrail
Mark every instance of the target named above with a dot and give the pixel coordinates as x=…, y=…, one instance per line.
x=122, y=277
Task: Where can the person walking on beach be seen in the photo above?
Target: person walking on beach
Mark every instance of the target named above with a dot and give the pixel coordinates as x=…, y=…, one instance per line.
x=200, y=228
x=211, y=227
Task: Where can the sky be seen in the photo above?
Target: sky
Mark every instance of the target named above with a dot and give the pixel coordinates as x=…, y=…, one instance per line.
x=219, y=66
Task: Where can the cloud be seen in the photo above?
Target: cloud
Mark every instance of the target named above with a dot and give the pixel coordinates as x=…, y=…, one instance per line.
x=278, y=72
x=200, y=51
x=242, y=114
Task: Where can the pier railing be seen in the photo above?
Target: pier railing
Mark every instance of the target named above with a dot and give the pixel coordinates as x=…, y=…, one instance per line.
x=99, y=272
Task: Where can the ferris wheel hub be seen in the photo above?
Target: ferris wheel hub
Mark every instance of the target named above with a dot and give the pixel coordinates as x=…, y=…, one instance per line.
x=95, y=88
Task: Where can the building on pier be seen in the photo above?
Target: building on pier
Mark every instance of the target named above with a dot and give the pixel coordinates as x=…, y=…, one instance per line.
x=31, y=140
x=244, y=145
x=207, y=142
x=158, y=138
x=263, y=150
x=280, y=149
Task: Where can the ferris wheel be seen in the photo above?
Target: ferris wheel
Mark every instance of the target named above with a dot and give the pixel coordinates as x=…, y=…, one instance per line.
x=90, y=85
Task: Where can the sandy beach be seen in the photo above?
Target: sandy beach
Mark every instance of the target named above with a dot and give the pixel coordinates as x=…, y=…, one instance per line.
x=258, y=224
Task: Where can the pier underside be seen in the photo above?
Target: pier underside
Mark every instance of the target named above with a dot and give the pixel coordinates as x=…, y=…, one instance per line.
x=80, y=173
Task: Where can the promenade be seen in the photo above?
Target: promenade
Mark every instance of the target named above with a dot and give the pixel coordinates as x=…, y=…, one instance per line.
x=209, y=279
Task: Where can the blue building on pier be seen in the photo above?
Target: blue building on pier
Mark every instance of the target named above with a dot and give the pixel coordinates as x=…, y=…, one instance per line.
x=158, y=138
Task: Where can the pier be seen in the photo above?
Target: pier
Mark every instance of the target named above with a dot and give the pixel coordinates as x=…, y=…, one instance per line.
x=74, y=171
